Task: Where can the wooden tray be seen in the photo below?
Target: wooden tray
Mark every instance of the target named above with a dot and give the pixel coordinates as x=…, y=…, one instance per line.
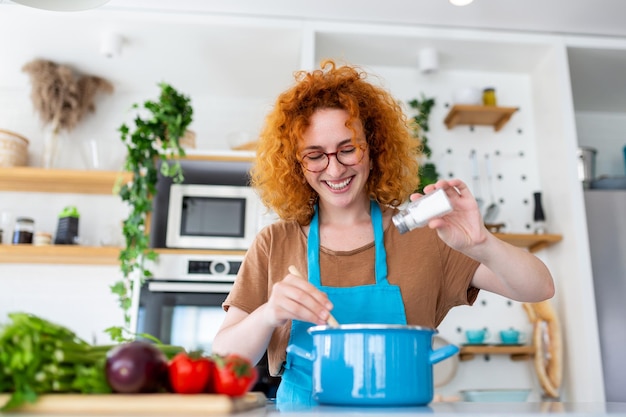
x=140, y=404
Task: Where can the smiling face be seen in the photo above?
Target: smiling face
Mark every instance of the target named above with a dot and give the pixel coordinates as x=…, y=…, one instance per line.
x=337, y=185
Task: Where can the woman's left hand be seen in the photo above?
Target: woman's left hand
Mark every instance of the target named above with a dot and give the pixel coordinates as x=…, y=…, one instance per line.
x=463, y=227
x=505, y=269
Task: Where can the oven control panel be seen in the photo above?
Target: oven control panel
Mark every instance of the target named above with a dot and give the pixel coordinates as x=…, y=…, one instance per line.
x=214, y=268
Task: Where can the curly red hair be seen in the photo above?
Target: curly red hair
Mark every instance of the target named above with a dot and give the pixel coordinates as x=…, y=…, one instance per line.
x=276, y=173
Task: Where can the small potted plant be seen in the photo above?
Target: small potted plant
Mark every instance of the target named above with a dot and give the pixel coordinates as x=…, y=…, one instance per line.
x=154, y=137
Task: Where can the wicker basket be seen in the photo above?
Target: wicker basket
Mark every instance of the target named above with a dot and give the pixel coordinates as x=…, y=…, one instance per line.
x=13, y=149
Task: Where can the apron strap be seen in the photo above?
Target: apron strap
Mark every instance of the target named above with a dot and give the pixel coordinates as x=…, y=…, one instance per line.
x=380, y=264
x=313, y=247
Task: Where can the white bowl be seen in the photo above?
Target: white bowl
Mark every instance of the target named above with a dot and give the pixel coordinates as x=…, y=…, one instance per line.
x=495, y=395
x=468, y=95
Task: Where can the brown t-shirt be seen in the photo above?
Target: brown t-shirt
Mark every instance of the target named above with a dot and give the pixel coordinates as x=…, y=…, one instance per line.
x=432, y=276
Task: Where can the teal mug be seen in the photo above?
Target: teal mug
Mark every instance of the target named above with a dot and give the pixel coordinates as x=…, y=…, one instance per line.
x=511, y=337
x=477, y=336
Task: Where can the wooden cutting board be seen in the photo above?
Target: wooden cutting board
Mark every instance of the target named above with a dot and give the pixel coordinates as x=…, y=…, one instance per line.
x=140, y=404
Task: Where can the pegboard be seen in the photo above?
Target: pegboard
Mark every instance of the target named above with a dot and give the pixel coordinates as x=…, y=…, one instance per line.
x=511, y=150
x=515, y=179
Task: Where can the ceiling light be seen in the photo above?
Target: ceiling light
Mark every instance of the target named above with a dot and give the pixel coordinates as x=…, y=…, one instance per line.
x=428, y=60
x=461, y=2
x=111, y=44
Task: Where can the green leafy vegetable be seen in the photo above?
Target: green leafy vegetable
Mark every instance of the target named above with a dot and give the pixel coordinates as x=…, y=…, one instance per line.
x=38, y=356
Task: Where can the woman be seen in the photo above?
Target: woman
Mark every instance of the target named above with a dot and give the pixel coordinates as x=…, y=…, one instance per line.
x=334, y=161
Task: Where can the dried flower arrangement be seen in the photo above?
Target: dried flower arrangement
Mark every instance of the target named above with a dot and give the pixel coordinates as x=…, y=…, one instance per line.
x=60, y=95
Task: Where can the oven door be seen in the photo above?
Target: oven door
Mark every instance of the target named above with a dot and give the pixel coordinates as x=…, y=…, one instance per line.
x=189, y=314
x=182, y=313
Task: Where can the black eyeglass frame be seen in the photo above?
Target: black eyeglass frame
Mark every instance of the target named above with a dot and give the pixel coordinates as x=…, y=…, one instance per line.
x=362, y=146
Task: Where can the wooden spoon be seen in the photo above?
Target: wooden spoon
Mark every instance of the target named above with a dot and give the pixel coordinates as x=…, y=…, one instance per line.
x=332, y=322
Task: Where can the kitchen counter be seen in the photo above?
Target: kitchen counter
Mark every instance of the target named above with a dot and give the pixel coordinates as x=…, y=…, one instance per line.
x=469, y=409
x=465, y=408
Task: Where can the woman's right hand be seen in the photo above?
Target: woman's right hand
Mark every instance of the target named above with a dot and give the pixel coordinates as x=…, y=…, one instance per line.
x=294, y=298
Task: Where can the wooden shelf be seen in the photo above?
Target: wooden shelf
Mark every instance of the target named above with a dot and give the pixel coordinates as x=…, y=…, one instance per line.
x=532, y=242
x=84, y=255
x=90, y=255
x=517, y=353
x=59, y=254
x=479, y=115
x=31, y=179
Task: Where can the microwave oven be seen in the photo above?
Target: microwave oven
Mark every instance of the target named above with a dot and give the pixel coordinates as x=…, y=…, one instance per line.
x=203, y=216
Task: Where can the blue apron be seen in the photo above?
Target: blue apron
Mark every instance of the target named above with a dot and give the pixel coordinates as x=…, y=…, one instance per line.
x=380, y=303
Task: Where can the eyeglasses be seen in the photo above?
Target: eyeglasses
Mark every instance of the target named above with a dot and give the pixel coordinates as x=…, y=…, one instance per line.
x=347, y=155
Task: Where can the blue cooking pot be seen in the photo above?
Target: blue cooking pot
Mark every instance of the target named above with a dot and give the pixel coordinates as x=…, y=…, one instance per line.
x=373, y=364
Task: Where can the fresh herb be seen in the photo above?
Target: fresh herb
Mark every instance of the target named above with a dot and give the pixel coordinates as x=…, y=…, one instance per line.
x=154, y=137
x=38, y=357
x=428, y=172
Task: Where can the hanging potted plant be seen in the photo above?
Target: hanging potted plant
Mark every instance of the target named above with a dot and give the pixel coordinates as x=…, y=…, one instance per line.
x=155, y=137
x=62, y=98
x=419, y=122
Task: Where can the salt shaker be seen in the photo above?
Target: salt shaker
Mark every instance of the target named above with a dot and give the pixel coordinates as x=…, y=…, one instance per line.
x=419, y=212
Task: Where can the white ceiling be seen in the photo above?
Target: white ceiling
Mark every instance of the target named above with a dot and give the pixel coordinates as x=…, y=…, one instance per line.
x=588, y=17
x=597, y=76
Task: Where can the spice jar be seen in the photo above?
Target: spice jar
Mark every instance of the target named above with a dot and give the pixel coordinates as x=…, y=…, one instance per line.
x=489, y=96
x=24, y=229
x=42, y=239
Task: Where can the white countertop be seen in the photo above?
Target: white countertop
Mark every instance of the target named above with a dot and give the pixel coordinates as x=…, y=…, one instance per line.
x=468, y=409
x=442, y=408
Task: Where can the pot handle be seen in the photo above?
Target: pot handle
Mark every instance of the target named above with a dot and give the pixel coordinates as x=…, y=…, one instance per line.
x=442, y=353
x=303, y=353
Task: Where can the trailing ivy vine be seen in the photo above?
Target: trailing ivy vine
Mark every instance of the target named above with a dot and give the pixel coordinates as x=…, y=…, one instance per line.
x=428, y=171
x=154, y=137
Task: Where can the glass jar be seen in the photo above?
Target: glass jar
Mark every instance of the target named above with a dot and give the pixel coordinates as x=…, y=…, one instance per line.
x=489, y=96
x=24, y=229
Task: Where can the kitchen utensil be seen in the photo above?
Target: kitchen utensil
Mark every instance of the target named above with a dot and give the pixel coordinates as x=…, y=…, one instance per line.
x=491, y=213
x=586, y=165
x=512, y=336
x=539, y=216
x=477, y=336
x=373, y=364
x=495, y=395
x=141, y=404
x=476, y=181
x=332, y=322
